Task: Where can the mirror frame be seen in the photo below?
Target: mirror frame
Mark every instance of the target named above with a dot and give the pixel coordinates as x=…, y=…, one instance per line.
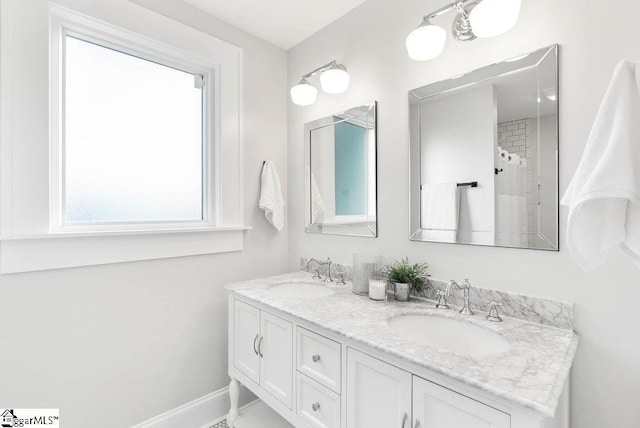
x=468, y=80
x=309, y=127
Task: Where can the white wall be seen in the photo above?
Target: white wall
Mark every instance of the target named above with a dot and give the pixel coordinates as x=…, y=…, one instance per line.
x=114, y=345
x=592, y=38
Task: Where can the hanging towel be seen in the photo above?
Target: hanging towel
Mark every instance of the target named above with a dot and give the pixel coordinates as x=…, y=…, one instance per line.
x=314, y=208
x=440, y=211
x=271, y=199
x=604, y=194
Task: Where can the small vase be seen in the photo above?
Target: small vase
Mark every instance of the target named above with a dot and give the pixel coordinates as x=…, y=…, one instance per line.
x=402, y=291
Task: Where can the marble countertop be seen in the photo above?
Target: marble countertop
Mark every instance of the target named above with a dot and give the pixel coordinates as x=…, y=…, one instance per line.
x=532, y=373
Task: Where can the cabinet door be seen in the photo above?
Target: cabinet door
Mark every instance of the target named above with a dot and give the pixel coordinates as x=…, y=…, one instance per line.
x=276, y=365
x=378, y=394
x=438, y=407
x=246, y=332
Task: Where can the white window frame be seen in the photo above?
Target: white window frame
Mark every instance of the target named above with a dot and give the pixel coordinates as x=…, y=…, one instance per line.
x=32, y=236
x=130, y=44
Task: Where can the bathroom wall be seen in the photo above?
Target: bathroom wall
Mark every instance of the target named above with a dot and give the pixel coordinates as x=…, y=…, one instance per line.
x=592, y=38
x=113, y=345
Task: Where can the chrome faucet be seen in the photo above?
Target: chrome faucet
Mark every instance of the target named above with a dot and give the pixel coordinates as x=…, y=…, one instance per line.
x=317, y=274
x=465, y=287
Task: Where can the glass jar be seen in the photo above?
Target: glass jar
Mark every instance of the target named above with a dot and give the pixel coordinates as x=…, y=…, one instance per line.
x=365, y=267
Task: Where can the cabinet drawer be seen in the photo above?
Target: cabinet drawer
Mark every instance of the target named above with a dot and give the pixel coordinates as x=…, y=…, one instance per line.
x=317, y=405
x=319, y=358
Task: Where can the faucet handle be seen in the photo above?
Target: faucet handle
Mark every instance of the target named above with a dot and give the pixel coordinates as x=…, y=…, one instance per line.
x=442, y=300
x=341, y=276
x=316, y=274
x=493, y=311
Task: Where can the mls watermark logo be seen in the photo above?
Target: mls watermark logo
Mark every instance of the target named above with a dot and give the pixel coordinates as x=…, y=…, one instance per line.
x=6, y=418
x=18, y=418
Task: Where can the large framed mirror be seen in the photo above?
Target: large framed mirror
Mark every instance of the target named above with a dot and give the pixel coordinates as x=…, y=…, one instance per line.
x=484, y=155
x=340, y=173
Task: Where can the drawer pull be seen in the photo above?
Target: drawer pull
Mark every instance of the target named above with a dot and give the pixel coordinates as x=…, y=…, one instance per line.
x=260, y=347
x=255, y=339
x=316, y=358
x=417, y=425
x=315, y=406
x=404, y=420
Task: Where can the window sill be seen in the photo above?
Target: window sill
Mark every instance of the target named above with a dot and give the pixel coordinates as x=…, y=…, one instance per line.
x=29, y=253
x=83, y=234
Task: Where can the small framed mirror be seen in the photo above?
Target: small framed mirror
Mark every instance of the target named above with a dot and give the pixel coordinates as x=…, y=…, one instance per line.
x=340, y=173
x=484, y=155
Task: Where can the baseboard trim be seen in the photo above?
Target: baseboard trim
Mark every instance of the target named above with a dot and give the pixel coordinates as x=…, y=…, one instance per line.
x=202, y=412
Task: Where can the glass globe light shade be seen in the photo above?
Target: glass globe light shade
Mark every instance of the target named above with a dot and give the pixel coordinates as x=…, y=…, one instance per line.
x=426, y=42
x=335, y=80
x=303, y=94
x=490, y=18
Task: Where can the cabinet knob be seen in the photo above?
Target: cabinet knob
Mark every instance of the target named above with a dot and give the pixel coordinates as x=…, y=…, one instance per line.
x=315, y=406
x=493, y=311
x=417, y=424
x=316, y=358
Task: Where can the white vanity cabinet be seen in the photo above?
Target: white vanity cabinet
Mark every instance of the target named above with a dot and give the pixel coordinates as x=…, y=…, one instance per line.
x=315, y=378
x=263, y=350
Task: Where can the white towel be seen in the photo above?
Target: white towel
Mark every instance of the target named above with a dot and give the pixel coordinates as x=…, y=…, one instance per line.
x=440, y=211
x=604, y=194
x=314, y=209
x=271, y=199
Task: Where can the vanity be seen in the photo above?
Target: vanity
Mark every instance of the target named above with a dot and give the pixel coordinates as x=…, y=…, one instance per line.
x=323, y=357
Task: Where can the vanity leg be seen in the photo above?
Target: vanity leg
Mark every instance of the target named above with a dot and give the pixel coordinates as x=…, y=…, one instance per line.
x=234, y=396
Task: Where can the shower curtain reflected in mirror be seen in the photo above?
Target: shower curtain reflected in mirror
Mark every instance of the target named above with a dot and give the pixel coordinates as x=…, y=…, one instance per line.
x=511, y=201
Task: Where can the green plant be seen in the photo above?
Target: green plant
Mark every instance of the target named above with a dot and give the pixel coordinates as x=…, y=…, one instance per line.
x=415, y=275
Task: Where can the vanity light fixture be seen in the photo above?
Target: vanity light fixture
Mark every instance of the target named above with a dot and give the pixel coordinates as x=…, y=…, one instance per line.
x=304, y=94
x=333, y=80
x=475, y=18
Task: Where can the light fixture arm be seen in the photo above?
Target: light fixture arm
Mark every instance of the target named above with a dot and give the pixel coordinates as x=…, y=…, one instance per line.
x=319, y=69
x=457, y=5
x=461, y=27
x=439, y=12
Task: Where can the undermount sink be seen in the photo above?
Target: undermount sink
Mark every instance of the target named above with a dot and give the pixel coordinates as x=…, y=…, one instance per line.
x=450, y=335
x=300, y=290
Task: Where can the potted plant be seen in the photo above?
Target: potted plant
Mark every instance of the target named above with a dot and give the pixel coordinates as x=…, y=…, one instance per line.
x=407, y=278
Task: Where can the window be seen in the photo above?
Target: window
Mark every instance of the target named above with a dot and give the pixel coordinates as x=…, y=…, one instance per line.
x=134, y=142
x=133, y=138
x=133, y=150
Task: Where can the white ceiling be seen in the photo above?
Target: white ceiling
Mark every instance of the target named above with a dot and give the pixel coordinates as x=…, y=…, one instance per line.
x=284, y=23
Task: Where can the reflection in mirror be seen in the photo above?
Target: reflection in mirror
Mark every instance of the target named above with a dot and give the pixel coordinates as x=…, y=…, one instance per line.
x=340, y=173
x=484, y=155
